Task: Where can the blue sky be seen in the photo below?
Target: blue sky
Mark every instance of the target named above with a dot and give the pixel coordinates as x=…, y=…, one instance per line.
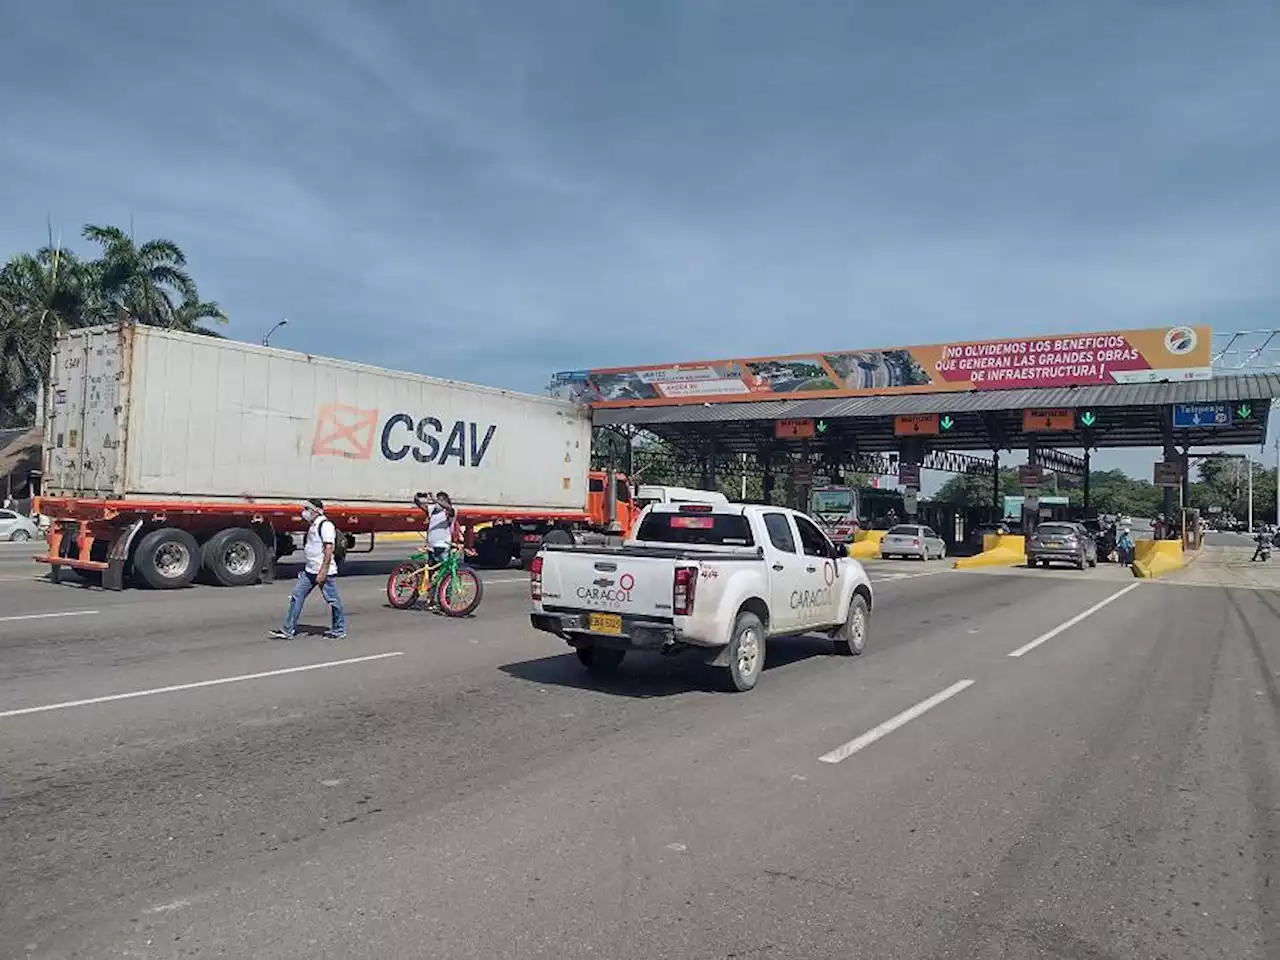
x=496, y=190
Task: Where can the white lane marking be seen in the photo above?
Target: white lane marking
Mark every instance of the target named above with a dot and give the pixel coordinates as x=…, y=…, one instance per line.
x=1028, y=647
x=46, y=616
x=194, y=686
x=891, y=577
x=845, y=751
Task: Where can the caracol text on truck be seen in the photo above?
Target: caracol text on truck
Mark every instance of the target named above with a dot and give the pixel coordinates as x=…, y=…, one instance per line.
x=168, y=454
x=718, y=578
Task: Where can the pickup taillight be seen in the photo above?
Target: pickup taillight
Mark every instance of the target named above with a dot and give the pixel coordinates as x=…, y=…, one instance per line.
x=535, y=579
x=683, y=590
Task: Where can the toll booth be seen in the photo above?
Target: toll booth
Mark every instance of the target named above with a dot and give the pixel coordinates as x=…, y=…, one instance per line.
x=1039, y=403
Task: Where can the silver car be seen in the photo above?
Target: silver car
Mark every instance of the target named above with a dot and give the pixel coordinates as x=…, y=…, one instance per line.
x=1063, y=542
x=912, y=540
x=16, y=527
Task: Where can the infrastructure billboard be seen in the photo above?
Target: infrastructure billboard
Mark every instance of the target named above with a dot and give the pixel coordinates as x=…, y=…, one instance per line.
x=1121, y=356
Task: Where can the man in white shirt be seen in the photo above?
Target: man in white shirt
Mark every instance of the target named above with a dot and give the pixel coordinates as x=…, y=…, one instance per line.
x=321, y=571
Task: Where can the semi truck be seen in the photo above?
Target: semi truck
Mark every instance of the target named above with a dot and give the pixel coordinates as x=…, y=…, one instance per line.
x=171, y=455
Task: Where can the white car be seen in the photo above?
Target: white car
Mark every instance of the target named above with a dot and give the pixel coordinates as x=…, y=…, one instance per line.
x=912, y=540
x=719, y=578
x=16, y=528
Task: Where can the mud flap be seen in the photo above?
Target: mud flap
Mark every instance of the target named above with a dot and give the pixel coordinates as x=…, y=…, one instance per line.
x=118, y=557
x=716, y=656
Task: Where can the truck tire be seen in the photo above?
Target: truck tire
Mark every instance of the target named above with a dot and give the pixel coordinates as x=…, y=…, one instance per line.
x=493, y=549
x=600, y=660
x=233, y=557
x=557, y=536
x=746, y=654
x=851, y=639
x=167, y=558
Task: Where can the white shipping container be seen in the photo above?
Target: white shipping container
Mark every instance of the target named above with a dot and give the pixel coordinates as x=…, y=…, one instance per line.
x=138, y=412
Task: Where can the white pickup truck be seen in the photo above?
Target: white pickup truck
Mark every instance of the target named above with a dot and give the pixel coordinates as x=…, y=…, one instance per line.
x=719, y=578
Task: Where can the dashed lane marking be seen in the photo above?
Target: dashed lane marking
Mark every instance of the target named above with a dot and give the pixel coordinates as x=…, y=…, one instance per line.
x=1067, y=625
x=67, y=704
x=49, y=616
x=847, y=750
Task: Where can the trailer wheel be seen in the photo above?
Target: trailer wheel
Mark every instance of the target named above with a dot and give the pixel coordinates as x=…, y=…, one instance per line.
x=233, y=557
x=167, y=558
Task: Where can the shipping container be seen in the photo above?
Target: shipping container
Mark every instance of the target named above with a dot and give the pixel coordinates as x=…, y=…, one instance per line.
x=139, y=411
x=172, y=454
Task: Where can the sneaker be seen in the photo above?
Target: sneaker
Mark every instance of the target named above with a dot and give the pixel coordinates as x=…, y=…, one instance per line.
x=334, y=635
x=279, y=635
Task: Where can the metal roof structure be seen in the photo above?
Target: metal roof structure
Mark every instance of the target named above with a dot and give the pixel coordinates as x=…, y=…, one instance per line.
x=1128, y=415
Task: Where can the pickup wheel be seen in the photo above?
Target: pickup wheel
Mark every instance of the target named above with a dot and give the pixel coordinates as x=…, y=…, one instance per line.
x=600, y=659
x=746, y=654
x=851, y=639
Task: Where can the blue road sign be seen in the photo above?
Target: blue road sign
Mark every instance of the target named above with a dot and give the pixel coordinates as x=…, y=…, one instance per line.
x=1190, y=415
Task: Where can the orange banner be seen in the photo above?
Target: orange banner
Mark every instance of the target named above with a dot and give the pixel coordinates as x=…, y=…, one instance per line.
x=1124, y=356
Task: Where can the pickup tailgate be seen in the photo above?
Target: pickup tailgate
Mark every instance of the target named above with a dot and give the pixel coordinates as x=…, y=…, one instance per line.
x=634, y=586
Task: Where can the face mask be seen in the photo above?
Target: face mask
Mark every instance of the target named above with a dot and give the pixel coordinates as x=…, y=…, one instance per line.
x=308, y=515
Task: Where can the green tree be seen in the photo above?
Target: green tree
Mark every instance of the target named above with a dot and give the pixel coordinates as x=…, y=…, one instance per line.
x=1224, y=483
x=41, y=294
x=52, y=290
x=145, y=283
x=974, y=489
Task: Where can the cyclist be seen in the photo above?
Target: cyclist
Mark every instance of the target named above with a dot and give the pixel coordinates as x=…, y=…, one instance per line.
x=442, y=527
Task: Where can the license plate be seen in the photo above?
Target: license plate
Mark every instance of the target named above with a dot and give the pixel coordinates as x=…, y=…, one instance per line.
x=1055, y=543
x=606, y=623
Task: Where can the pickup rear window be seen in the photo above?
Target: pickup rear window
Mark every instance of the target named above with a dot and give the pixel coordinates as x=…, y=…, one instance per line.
x=697, y=529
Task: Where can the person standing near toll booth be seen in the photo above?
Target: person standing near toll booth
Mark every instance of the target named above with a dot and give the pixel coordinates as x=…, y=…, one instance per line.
x=1124, y=546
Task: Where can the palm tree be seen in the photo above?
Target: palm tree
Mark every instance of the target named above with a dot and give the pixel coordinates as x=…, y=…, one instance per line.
x=41, y=294
x=146, y=283
x=190, y=312
x=44, y=293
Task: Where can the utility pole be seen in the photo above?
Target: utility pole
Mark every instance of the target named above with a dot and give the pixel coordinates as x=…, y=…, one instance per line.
x=1248, y=461
x=1278, y=480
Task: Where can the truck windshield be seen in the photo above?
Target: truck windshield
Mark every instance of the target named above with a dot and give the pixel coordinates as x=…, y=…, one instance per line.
x=697, y=529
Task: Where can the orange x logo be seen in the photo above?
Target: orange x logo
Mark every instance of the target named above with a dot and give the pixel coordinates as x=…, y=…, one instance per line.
x=343, y=431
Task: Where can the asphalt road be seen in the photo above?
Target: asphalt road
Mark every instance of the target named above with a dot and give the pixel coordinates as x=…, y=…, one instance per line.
x=1111, y=791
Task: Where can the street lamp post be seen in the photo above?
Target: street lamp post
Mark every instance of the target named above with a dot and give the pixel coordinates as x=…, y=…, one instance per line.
x=265, y=339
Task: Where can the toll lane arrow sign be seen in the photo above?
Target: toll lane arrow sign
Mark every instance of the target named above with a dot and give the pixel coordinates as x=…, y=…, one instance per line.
x=916, y=425
x=946, y=423
x=1244, y=411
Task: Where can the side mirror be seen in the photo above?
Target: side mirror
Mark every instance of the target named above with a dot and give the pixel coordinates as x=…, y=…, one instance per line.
x=838, y=551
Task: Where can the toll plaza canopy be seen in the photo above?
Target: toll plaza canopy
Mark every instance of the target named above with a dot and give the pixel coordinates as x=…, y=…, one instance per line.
x=1111, y=389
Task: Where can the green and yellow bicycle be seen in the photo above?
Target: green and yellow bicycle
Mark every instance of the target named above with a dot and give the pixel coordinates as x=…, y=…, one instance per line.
x=450, y=586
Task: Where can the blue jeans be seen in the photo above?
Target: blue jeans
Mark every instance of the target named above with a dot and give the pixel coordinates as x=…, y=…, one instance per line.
x=329, y=590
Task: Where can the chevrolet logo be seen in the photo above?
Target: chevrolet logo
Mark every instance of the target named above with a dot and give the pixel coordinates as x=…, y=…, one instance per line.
x=603, y=582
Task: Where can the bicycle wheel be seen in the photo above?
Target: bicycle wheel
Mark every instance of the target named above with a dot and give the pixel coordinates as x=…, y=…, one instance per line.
x=403, y=585
x=459, y=592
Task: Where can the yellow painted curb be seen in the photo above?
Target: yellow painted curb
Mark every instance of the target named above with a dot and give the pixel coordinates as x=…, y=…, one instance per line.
x=1155, y=558
x=401, y=536
x=999, y=550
